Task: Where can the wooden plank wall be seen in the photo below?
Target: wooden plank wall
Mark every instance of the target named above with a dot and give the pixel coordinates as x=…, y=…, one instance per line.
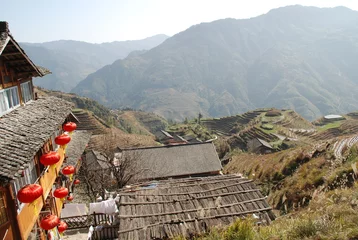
x=30, y=212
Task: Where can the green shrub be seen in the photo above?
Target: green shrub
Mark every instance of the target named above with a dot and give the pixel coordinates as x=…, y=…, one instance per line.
x=240, y=230
x=273, y=113
x=267, y=126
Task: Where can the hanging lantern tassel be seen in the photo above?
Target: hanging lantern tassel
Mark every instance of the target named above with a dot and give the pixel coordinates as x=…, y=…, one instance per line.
x=71, y=175
x=34, y=203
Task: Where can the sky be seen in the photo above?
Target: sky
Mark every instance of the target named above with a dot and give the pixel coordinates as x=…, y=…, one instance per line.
x=98, y=21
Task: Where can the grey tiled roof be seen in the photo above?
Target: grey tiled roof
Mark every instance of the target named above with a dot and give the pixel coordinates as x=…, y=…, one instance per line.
x=263, y=142
x=177, y=160
x=75, y=148
x=24, y=131
x=189, y=206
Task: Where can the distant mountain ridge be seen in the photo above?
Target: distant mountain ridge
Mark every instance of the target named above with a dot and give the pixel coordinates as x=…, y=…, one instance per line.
x=71, y=61
x=295, y=57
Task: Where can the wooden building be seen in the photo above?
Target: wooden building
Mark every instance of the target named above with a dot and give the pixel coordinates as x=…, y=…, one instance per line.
x=259, y=146
x=172, y=161
x=28, y=127
x=168, y=208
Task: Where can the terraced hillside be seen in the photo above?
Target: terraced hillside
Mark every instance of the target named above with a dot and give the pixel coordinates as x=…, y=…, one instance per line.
x=139, y=122
x=226, y=125
x=332, y=129
x=89, y=121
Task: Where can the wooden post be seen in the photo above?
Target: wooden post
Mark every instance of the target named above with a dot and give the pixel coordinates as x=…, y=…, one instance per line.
x=1, y=74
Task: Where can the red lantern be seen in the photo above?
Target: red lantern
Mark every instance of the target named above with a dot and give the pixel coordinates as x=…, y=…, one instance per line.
x=68, y=170
x=69, y=127
x=29, y=193
x=62, y=139
x=49, y=222
x=70, y=198
x=50, y=158
x=62, y=227
x=61, y=192
x=76, y=182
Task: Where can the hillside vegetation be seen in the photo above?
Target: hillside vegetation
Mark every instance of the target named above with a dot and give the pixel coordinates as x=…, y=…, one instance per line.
x=98, y=116
x=295, y=57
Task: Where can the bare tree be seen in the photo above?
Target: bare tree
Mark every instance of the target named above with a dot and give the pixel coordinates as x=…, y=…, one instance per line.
x=111, y=168
x=127, y=168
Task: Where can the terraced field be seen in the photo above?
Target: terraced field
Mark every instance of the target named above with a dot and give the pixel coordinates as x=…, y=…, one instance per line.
x=225, y=125
x=88, y=121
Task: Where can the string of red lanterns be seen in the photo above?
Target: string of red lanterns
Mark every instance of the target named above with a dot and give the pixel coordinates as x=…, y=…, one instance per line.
x=49, y=222
x=50, y=158
x=69, y=127
x=61, y=192
x=29, y=193
x=62, y=226
x=62, y=140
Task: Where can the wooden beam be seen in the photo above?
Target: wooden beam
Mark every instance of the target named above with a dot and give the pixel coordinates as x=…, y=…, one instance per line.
x=11, y=54
x=22, y=65
x=15, y=61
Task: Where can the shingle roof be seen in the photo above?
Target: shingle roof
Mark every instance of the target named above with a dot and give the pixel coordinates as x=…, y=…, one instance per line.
x=175, y=160
x=165, y=209
x=75, y=148
x=96, y=161
x=24, y=131
x=6, y=39
x=264, y=143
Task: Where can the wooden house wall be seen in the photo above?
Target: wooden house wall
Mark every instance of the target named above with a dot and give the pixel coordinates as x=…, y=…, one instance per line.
x=13, y=76
x=29, y=213
x=7, y=230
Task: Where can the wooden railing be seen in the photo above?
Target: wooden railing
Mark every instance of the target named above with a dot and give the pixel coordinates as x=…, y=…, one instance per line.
x=106, y=232
x=104, y=225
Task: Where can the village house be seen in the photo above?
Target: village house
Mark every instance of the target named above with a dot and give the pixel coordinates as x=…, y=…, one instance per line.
x=28, y=128
x=173, y=161
x=259, y=146
x=168, y=208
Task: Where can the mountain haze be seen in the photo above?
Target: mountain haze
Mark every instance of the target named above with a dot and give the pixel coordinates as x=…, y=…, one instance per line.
x=303, y=58
x=71, y=61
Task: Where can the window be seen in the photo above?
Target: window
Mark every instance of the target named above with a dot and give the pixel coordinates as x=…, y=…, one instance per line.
x=54, y=135
x=26, y=91
x=29, y=176
x=9, y=99
x=3, y=213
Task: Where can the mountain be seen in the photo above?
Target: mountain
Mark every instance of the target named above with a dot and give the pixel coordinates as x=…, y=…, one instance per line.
x=71, y=61
x=301, y=58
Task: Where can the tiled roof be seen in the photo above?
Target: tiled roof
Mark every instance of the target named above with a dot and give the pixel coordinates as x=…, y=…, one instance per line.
x=24, y=131
x=175, y=160
x=264, y=143
x=77, y=145
x=165, y=209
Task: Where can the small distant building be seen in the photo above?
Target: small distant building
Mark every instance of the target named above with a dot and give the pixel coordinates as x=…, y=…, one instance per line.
x=163, y=136
x=191, y=139
x=191, y=206
x=333, y=117
x=96, y=161
x=169, y=139
x=174, y=161
x=258, y=145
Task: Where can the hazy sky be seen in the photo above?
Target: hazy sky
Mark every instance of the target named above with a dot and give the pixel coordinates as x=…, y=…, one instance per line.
x=110, y=20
